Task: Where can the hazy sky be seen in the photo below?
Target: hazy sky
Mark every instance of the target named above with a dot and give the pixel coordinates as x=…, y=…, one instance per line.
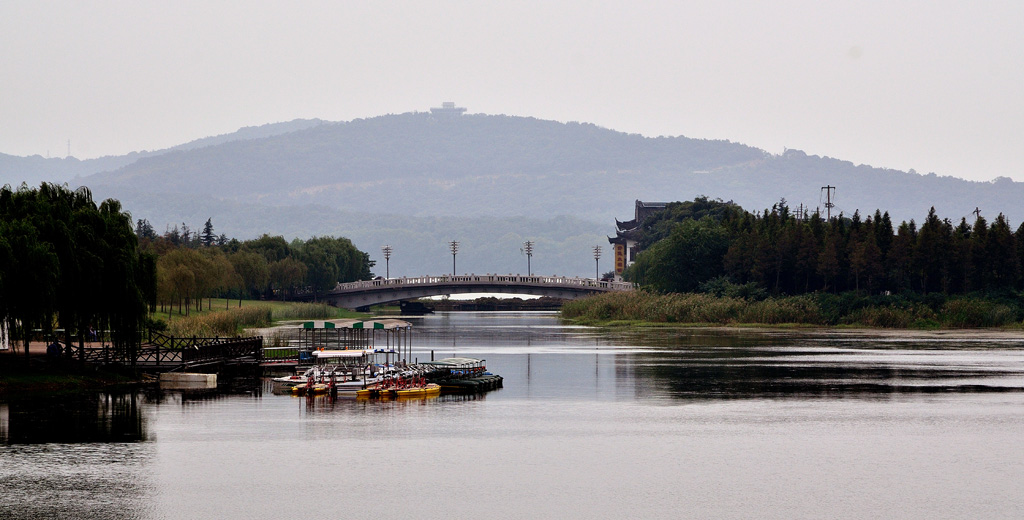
x=935, y=86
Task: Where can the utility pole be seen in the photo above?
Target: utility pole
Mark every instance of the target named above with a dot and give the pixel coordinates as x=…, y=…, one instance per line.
x=597, y=262
x=454, y=247
x=828, y=200
x=977, y=213
x=528, y=248
x=387, y=261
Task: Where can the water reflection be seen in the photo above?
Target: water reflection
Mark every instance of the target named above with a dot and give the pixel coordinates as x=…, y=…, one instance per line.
x=73, y=418
x=652, y=423
x=542, y=359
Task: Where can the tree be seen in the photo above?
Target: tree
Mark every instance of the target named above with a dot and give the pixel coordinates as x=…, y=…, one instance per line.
x=930, y=254
x=828, y=260
x=143, y=229
x=287, y=274
x=251, y=269
x=208, y=237
x=692, y=254
x=1001, y=254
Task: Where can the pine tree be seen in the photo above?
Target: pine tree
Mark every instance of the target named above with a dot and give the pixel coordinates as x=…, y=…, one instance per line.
x=208, y=236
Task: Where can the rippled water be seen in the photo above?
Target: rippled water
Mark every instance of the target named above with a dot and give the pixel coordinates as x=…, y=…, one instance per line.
x=591, y=424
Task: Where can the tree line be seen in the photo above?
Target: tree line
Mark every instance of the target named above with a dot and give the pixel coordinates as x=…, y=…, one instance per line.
x=194, y=265
x=698, y=246
x=71, y=266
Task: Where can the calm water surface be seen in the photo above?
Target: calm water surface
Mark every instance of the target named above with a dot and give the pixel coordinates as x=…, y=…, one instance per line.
x=590, y=424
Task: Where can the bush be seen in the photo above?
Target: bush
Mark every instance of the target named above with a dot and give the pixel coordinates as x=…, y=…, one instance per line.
x=973, y=312
x=775, y=311
x=723, y=287
x=906, y=310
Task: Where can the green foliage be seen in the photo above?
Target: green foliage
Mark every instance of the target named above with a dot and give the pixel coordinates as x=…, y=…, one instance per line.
x=661, y=224
x=722, y=286
x=907, y=310
x=784, y=255
x=68, y=263
x=689, y=256
x=267, y=267
x=971, y=313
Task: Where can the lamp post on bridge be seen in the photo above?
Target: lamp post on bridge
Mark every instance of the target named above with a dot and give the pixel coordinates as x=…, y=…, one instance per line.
x=597, y=262
x=387, y=260
x=528, y=248
x=454, y=247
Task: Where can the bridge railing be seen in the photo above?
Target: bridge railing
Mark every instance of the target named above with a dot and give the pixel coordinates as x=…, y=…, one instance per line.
x=487, y=279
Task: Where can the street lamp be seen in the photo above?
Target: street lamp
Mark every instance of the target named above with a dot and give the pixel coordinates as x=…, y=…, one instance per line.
x=597, y=262
x=387, y=261
x=528, y=247
x=454, y=247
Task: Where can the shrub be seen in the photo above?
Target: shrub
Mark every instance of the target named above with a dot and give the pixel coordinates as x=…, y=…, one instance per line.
x=973, y=312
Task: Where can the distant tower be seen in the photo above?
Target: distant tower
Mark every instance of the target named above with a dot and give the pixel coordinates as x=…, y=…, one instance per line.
x=447, y=109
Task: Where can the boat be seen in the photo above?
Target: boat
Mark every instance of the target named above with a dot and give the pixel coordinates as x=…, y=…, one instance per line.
x=337, y=372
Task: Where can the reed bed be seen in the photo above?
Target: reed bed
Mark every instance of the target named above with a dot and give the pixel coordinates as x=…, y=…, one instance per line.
x=897, y=311
x=310, y=311
x=221, y=323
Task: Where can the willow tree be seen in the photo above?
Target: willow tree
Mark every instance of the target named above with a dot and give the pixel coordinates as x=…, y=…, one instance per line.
x=67, y=262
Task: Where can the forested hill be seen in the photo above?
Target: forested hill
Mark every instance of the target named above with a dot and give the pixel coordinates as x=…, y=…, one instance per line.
x=422, y=165
x=36, y=169
x=418, y=164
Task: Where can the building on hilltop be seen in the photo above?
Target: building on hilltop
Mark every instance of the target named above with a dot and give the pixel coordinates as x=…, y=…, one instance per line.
x=447, y=109
x=626, y=241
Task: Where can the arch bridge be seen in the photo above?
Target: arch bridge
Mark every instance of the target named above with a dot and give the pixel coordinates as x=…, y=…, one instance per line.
x=355, y=295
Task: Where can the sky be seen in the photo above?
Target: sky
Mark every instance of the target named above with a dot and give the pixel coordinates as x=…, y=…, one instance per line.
x=933, y=86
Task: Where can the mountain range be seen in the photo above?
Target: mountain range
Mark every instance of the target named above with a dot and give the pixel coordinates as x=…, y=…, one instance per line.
x=418, y=180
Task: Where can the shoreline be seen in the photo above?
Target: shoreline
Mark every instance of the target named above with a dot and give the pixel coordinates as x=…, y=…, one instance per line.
x=36, y=373
x=849, y=330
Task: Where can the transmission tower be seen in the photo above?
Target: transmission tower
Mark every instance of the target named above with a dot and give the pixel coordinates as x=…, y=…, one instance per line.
x=828, y=200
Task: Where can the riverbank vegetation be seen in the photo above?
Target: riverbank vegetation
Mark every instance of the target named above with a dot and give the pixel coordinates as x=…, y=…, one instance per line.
x=193, y=266
x=252, y=314
x=709, y=261
x=907, y=310
x=69, y=266
x=74, y=270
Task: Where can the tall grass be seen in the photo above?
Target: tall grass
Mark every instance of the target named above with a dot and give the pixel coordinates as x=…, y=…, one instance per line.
x=896, y=311
x=221, y=323
x=971, y=313
x=231, y=322
x=312, y=311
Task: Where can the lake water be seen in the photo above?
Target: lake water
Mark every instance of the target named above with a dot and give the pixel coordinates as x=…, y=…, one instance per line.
x=591, y=423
